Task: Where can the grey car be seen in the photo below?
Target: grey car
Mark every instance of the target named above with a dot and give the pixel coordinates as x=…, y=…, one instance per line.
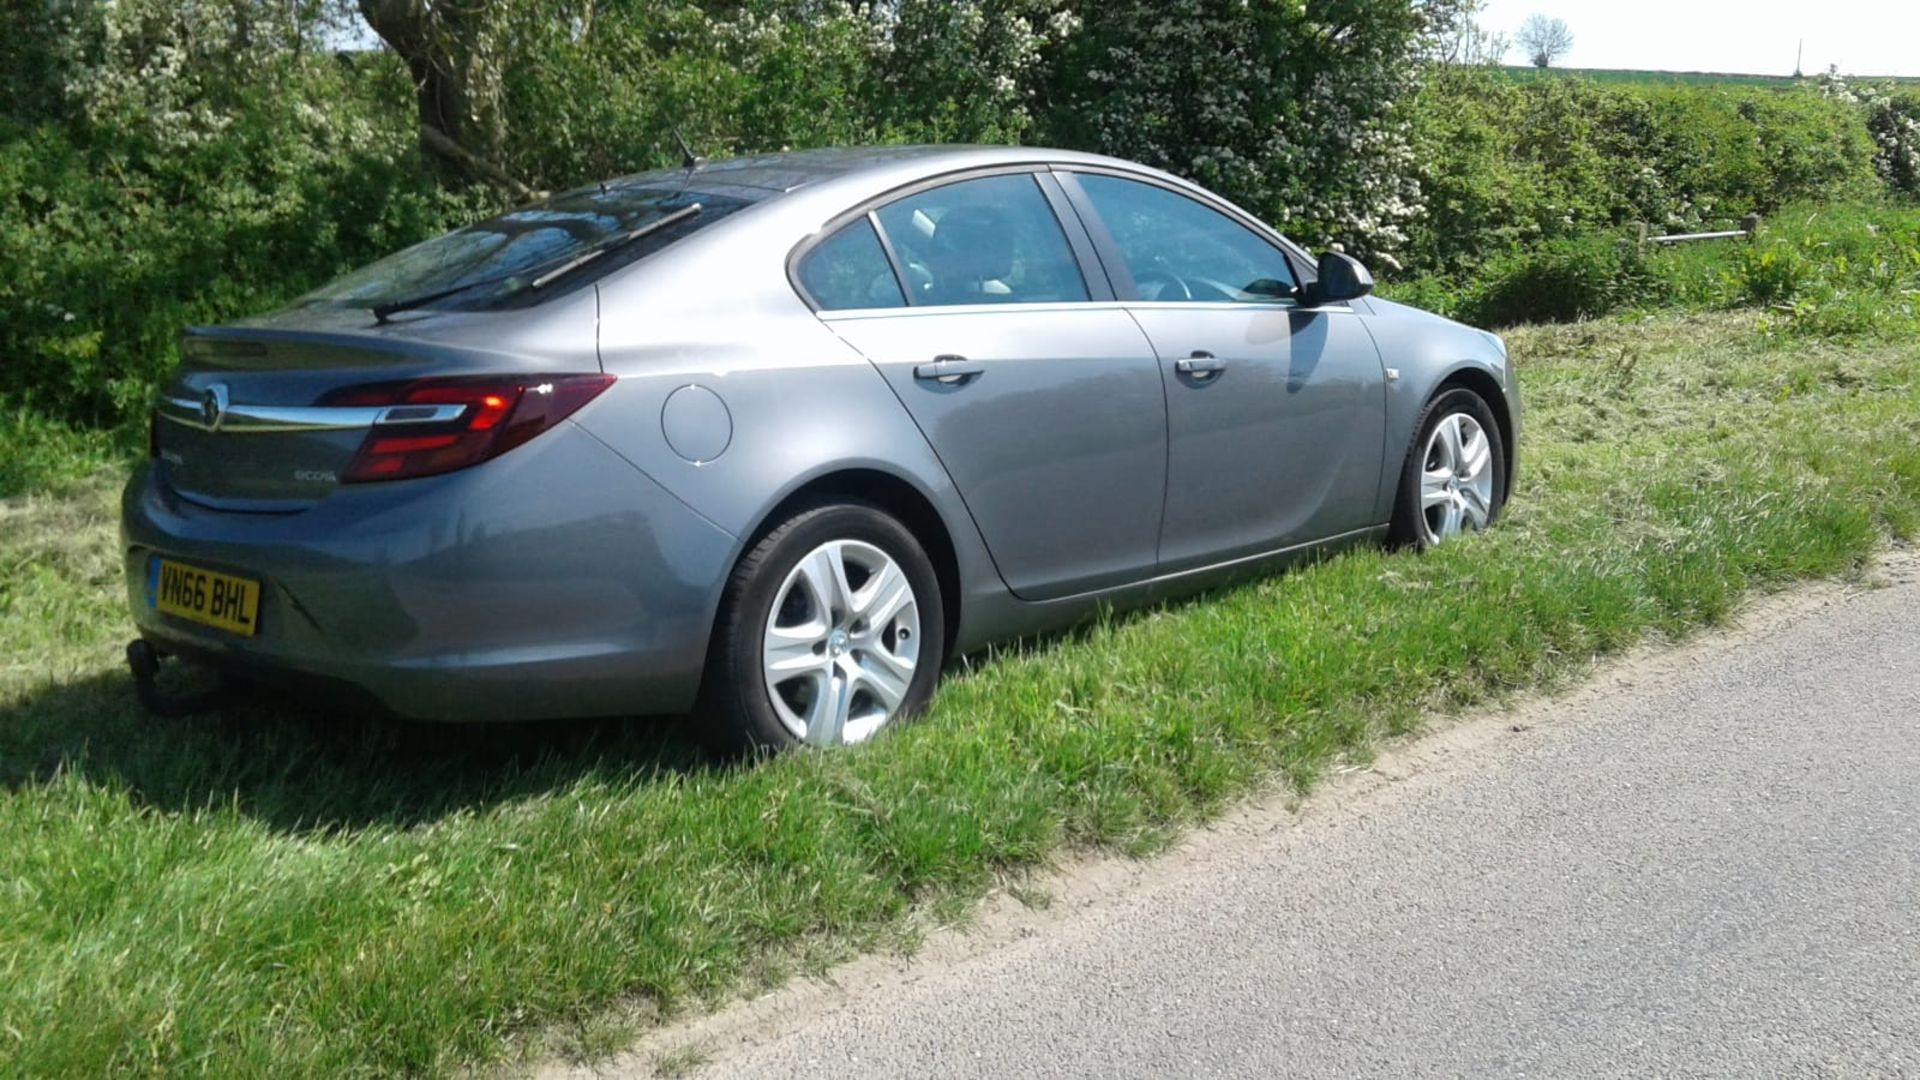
x=770, y=439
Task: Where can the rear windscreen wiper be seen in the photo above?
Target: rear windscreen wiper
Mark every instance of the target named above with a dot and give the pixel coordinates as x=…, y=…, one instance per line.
x=381, y=311
x=620, y=241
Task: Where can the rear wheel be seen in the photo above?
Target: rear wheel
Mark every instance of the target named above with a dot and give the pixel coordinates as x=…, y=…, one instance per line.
x=831, y=629
x=1454, y=480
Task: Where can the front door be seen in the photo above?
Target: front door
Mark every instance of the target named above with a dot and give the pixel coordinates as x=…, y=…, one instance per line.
x=1275, y=413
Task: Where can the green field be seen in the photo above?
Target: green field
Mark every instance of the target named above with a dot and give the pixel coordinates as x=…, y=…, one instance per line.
x=291, y=892
x=1688, y=78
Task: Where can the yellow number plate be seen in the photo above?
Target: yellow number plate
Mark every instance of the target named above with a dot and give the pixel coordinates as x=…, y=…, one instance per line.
x=218, y=600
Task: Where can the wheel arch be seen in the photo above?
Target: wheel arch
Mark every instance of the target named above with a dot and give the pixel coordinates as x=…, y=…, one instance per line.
x=896, y=496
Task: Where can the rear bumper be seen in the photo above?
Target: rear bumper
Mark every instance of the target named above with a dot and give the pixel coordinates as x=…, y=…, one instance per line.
x=555, y=581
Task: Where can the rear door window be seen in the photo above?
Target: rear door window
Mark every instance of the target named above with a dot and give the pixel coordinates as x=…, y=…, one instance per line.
x=992, y=240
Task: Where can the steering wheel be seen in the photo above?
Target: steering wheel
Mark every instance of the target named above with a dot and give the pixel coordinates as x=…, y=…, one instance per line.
x=1171, y=284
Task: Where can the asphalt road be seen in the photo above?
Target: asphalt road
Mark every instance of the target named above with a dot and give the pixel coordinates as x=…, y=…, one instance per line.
x=1706, y=864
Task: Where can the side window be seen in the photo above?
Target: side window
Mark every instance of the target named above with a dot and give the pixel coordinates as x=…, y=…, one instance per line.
x=849, y=270
x=1178, y=249
x=988, y=241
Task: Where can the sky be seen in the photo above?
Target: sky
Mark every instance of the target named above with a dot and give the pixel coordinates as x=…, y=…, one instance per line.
x=1864, y=37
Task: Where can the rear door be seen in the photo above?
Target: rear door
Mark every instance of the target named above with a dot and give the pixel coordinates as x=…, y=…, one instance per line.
x=1043, y=403
x=1275, y=413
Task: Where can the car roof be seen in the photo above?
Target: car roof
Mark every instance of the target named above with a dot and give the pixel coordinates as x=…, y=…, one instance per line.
x=767, y=175
x=798, y=195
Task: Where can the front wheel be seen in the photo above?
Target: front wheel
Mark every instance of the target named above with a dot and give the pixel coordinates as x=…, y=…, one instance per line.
x=1455, y=476
x=831, y=628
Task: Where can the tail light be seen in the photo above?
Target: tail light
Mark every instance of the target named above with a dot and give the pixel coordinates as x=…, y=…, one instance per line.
x=501, y=413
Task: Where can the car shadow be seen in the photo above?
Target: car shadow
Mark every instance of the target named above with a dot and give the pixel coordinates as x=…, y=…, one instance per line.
x=303, y=766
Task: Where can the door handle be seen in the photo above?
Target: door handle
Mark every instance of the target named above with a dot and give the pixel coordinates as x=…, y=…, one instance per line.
x=949, y=370
x=1202, y=364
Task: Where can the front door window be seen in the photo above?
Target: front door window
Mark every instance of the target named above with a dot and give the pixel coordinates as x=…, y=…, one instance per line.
x=1176, y=249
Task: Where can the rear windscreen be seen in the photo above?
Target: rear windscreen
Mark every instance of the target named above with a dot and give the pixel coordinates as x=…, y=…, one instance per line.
x=495, y=263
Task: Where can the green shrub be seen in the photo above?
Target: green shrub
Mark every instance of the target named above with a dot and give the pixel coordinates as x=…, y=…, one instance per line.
x=201, y=162
x=1263, y=103
x=171, y=162
x=1481, y=197
x=1769, y=274
x=112, y=248
x=732, y=78
x=1892, y=116
x=1440, y=294
x=1506, y=164
x=1826, y=271
x=1559, y=281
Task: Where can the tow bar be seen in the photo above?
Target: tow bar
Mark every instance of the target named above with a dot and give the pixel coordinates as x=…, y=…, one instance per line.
x=143, y=658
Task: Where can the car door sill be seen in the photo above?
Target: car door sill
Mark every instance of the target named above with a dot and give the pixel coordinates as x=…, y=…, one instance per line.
x=1186, y=577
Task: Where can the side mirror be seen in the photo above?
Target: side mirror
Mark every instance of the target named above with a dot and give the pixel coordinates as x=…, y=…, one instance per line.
x=1342, y=278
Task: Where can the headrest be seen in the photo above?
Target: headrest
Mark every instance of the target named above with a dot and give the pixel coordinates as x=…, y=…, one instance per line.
x=971, y=245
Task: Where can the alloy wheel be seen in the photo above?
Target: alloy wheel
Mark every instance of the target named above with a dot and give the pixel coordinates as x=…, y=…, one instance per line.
x=842, y=642
x=1456, y=479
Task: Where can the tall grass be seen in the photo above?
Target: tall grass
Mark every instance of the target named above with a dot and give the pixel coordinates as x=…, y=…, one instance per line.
x=297, y=892
x=1817, y=271
x=38, y=453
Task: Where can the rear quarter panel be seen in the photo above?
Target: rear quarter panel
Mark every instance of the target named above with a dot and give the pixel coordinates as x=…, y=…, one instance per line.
x=800, y=402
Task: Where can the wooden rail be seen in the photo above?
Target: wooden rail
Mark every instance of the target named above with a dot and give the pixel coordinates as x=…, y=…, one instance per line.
x=1748, y=226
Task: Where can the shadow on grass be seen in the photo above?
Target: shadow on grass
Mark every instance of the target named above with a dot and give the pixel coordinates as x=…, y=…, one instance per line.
x=302, y=766
x=306, y=766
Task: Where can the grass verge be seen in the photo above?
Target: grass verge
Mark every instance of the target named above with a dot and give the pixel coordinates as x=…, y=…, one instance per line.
x=292, y=892
x=1847, y=269
x=38, y=453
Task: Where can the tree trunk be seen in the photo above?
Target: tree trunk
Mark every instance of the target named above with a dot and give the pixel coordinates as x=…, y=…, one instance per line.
x=428, y=39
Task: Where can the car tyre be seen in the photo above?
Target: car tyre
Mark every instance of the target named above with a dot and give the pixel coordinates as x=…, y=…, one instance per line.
x=1455, y=476
x=831, y=628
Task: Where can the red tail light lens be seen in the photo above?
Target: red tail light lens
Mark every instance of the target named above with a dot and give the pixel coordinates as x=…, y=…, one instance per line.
x=500, y=413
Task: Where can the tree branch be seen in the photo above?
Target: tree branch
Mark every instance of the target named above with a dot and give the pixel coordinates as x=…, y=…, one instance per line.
x=432, y=138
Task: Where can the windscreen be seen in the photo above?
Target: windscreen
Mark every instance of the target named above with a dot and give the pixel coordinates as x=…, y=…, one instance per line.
x=496, y=262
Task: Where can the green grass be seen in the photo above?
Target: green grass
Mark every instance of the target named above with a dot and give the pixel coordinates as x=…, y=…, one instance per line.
x=288, y=892
x=41, y=454
x=1842, y=269
x=1817, y=271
